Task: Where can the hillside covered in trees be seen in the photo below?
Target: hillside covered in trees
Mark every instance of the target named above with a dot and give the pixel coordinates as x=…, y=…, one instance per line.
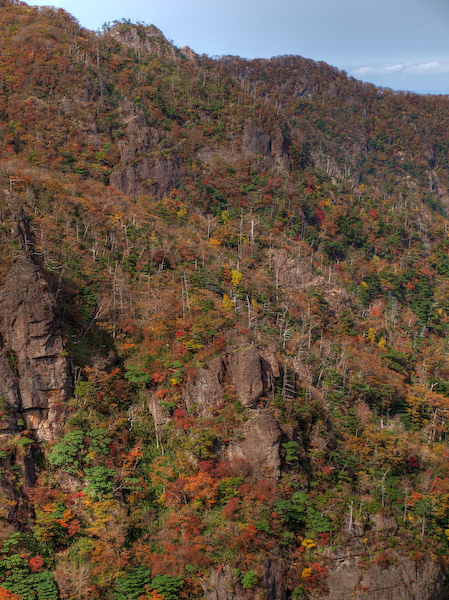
x=224, y=306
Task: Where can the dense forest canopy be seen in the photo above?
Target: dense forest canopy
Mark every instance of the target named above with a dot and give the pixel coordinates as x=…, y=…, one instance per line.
x=224, y=309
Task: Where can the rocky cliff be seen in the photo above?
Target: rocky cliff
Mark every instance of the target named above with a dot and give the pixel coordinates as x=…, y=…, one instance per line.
x=35, y=373
x=403, y=580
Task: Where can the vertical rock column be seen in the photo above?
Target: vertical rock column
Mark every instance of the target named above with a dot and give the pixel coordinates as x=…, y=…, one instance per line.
x=35, y=376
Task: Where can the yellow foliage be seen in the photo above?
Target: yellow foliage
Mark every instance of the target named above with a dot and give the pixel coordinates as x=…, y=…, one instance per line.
x=382, y=343
x=371, y=335
x=226, y=305
x=308, y=543
x=306, y=572
x=214, y=242
x=235, y=277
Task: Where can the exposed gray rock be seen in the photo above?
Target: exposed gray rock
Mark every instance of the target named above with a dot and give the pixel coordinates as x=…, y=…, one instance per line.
x=150, y=40
x=273, y=150
x=255, y=140
x=383, y=523
x=279, y=150
x=161, y=176
x=259, y=446
x=222, y=586
x=34, y=369
x=245, y=370
x=270, y=370
x=273, y=580
x=206, y=391
x=400, y=581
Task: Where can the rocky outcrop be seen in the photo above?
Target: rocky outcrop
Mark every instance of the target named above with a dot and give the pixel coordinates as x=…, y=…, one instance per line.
x=400, y=581
x=157, y=177
x=142, y=174
x=250, y=372
x=34, y=368
x=206, y=390
x=273, y=579
x=140, y=137
x=221, y=585
x=150, y=39
x=256, y=142
x=270, y=370
x=259, y=446
x=245, y=371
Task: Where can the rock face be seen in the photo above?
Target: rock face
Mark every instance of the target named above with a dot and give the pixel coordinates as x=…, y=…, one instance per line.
x=401, y=581
x=273, y=579
x=160, y=175
x=221, y=585
x=250, y=371
x=206, y=390
x=34, y=369
x=244, y=367
x=153, y=39
x=259, y=446
x=154, y=175
x=256, y=142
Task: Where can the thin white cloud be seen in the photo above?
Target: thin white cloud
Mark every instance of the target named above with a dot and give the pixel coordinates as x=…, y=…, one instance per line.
x=429, y=69
x=432, y=68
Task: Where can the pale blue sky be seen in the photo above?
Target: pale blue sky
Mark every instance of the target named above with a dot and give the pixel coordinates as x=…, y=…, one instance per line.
x=402, y=44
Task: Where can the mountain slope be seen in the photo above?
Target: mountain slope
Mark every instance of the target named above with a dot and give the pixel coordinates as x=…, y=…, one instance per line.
x=249, y=262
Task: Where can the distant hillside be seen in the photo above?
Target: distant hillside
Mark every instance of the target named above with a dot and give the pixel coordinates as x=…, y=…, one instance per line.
x=223, y=315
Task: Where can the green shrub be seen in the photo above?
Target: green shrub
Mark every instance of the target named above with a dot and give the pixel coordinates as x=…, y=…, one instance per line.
x=291, y=451
x=132, y=585
x=67, y=451
x=168, y=586
x=249, y=580
x=99, y=481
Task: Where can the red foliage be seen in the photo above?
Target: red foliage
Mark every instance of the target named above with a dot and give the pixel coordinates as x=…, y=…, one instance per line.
x=73, y=527
x=206, y=466
x=7, y=595
x=383, y=560
x=36, y=564
x=159, y=256
x=182, y=420
x=245, y=541
x=174, y=493
x=231, y=508
x=321, y=215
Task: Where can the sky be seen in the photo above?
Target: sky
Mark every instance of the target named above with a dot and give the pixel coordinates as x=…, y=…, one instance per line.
x=399, y=44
